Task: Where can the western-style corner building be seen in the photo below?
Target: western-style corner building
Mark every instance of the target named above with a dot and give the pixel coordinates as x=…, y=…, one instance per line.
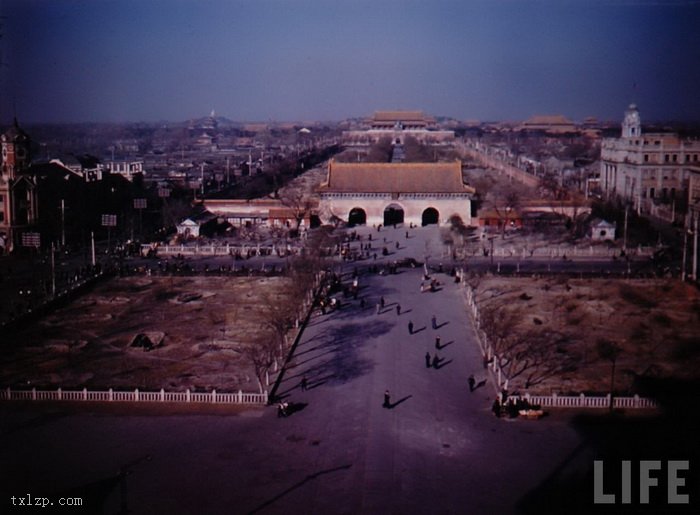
x=650, y=170
x=394, y=193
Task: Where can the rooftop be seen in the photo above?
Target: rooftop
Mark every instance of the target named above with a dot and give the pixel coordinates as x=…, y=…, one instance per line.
x=395, y=178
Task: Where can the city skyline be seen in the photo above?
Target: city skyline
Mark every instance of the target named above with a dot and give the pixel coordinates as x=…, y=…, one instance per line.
x=168, y=60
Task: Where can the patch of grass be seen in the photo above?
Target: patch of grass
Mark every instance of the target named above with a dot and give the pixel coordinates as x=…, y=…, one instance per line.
x=575, y=321
x=662, y=319
x=686, y=349
x=166, y=294
x=640, y=332
x=634, y=297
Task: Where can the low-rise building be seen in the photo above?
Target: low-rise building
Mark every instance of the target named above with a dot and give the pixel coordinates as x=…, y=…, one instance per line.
x=127, y=168
x=499, y=220
x=602, y=230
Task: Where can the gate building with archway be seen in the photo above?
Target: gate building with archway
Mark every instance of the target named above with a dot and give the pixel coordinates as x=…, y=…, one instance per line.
x=395, y=193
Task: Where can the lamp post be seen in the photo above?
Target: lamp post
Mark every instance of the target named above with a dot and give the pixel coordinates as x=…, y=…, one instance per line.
x=63, y=223
x=610, y=351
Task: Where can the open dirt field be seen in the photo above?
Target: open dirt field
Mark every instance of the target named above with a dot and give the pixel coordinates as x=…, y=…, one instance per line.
x=198, y=326
x=553, y=328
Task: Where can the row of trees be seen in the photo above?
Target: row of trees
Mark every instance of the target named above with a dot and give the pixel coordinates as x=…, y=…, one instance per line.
x=282, y=309
x=535, y=354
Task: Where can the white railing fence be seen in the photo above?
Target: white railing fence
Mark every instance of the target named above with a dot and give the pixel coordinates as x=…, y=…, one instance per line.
x=583, y=401
x=111, y=395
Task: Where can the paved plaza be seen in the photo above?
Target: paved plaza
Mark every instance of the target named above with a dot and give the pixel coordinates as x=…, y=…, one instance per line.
x=437, y=449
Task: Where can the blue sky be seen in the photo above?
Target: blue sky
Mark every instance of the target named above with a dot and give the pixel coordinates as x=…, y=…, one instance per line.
x=149, y=60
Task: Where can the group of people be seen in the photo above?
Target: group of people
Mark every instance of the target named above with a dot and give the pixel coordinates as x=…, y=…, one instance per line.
x=432, y=285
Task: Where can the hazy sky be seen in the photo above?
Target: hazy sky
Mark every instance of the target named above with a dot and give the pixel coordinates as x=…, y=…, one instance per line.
x=148, y=60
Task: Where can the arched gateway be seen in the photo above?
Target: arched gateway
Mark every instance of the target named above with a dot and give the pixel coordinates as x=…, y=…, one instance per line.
x=357, y=216
x=394, y=193
x=430, y=216
x=393, y=214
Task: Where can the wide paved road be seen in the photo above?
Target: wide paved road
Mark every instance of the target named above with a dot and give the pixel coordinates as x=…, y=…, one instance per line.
x=437, y=450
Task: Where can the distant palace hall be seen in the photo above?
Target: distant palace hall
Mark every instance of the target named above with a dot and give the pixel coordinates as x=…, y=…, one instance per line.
x=397, y=125
x=393, y=193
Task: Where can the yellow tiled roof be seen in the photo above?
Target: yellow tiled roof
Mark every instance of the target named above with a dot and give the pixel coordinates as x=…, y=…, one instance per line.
x=398, y=116
x=395, y=178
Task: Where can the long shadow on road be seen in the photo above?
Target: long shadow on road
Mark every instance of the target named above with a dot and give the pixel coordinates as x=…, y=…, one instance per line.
x=348, y=340
x=298, y=485
x=341, y=345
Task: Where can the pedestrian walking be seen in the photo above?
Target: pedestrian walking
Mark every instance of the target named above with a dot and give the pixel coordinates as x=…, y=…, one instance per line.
x=433, y=320
x=304, y=384
x=504, y=396
x=437, y=342
x=387, y=399
x=410, y=328
x=406, y=234
x=436, y=361
x=472, y=382
x=427, y=360
x=496, y=408
x=381, y=301
x=397, y=245
x=398, y=309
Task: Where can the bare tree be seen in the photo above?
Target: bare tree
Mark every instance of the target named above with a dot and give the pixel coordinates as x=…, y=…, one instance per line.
x=536, y=354
x=417, y=152
x=174, y=211
x=610, y=351
x=278, y=314
x=261, y=354
x=381, y=151
x=462, y=236
x=503, y=198
x=299, y=201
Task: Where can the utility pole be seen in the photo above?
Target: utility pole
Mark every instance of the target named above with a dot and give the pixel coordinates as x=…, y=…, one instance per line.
x=695, y=247
x=53, y=272
x=624, y=241
x=673, y=211
x=685, y=252
x=92, y=245
x=63, y=223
